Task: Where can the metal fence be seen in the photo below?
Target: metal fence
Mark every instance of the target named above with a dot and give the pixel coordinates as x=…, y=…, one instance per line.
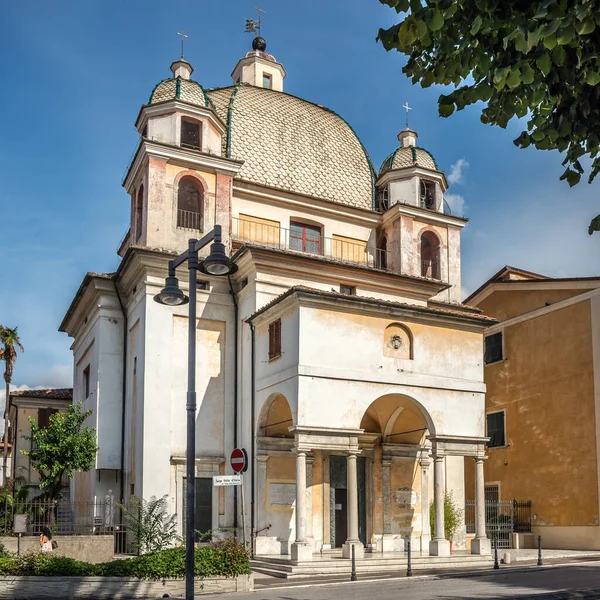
x=337, y=248
x=71, y=517
x=502, y=519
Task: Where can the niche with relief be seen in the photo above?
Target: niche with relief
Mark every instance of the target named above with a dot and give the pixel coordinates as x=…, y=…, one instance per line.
x=397, y=341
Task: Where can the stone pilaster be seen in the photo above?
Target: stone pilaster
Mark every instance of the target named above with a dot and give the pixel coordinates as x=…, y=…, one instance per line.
x=425, y=524
x=387, y=541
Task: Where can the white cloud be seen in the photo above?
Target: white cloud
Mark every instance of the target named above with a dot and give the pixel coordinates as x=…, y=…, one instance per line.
x=57, y=376
x=457, y=204
x=456, y=171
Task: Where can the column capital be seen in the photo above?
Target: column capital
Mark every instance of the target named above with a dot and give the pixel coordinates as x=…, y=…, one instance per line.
x=438, y=458
x=480, y=458
x=262, y=457
x=425, y=462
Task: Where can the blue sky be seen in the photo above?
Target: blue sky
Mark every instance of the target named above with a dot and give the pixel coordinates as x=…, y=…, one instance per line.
x=74, y=75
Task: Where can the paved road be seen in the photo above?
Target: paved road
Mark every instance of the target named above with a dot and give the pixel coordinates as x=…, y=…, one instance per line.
x=570, y=581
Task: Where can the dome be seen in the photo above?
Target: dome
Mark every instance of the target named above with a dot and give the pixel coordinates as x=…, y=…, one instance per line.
x=293, y=145
x=408, y=156
x=178, y=88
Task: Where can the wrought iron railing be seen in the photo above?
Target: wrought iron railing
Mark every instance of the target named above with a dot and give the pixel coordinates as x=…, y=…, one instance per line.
x=188, y=219
x=337, y=249
x=502, y=519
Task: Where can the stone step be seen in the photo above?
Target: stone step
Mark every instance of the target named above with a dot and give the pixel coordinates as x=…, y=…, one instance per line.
x=277, y=567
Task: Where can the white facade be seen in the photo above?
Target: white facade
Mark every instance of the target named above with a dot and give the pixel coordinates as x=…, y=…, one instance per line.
x=380, y=367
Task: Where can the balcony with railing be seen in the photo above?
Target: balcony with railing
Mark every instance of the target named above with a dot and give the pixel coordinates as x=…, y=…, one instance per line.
x=188, y=219
x=339, y=250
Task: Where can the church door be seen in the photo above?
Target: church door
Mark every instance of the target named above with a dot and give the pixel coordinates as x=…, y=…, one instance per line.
x=203, y=511
x=339, y=500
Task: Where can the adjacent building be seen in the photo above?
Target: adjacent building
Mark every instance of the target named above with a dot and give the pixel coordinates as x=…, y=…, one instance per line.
x=38, y=406
x=543, y=401
x=339, y=354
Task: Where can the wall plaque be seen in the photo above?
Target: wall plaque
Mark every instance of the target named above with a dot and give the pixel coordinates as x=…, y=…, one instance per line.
x=282, y=494
x=405, y=498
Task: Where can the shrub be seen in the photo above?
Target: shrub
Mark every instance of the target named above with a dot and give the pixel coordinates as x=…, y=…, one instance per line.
x=152, y=526
x=225, y=558
x=452, y=516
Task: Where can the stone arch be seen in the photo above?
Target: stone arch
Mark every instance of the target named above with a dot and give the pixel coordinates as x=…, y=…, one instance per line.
x=398, y=419
x=398, y=341
x=275, y=418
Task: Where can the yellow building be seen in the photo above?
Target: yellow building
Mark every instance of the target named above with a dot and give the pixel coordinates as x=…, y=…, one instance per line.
x=542, y=375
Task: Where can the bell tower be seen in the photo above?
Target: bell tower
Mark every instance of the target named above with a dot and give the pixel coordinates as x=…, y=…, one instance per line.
x=179, y=181
x=422, y=236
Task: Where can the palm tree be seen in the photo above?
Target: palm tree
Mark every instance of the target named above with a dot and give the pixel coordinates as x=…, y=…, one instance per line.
x=9, y=343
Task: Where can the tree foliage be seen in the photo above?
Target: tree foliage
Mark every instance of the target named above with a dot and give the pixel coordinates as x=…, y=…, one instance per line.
x=64, y=446
x=150, y=523
x=10, y=343
x=453, y=516
x=538, y=59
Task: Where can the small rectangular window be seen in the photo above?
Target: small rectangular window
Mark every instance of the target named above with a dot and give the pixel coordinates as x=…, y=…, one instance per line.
x=86, y=382
x=203, y=285
x=493, y=348
x=190, y=134
x=267, y=81
x=275, y=339
x=305, y=238
x=348, y=289
x=495, y=429
x=244, y=283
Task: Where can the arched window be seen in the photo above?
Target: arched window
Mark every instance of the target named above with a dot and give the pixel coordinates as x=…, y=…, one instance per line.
x=189, y=204
x=427, y=194
x=139, y=212
x=430, y=255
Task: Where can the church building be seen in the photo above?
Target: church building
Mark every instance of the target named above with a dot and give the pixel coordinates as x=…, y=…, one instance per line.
x=338, y=355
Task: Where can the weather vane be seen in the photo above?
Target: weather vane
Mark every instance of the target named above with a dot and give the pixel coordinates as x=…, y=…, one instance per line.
x=406, y=107
x=253, y=25
x=184, y=36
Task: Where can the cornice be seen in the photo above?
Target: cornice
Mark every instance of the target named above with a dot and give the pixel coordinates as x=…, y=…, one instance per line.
x=177, y=105
x=330, y=208
x=193, y=159
x=423, y=214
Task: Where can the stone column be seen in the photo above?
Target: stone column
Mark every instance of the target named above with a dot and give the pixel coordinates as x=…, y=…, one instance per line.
x=310, y=537
x=425, y=523
x=387, y=541
x=262, y=541
x=352, y=499
x=439, y=546
x=481, y=544
x=301, y=550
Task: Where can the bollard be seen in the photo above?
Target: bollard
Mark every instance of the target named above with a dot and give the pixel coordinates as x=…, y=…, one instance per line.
x=353, y=574
x=409, y=566
x=540, y=563
x=496, y=564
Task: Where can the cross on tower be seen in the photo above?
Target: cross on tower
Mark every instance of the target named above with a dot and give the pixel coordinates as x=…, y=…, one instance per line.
x=184, y=36
x=253, y=25
x=406, y=107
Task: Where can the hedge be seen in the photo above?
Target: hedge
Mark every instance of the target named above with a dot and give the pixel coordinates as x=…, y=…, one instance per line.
x=227, y=558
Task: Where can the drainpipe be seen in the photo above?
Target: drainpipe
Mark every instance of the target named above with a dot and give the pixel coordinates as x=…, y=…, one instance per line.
x=253, y=451
x=123, y=392
x=235, y=394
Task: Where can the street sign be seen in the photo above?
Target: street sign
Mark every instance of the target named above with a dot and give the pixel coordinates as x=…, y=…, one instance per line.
x=239, y=460
x=220, y=480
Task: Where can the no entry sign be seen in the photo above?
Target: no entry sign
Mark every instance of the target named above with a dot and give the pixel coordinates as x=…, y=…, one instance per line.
x=239, y=460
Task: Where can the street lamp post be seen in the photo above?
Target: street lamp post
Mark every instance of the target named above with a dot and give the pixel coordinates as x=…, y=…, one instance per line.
x=217, y=263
